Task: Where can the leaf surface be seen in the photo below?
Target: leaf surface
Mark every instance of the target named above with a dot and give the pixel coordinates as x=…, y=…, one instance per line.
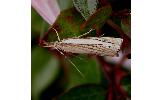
x=85, y=92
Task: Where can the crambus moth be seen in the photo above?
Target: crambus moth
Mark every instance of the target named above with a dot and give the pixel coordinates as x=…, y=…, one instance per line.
x=102, y=46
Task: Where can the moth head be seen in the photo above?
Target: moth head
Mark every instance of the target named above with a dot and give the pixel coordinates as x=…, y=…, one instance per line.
x=55, y=43
x=50, y=44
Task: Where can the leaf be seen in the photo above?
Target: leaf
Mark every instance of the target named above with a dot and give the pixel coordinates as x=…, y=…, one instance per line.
x=85, y=92
x=98, y=19
x=44, y=70
x=92, y=6
x=90, y=69
x=86, y=7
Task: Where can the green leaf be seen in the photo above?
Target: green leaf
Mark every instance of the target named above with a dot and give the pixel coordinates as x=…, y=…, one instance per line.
x=99, y=18
x=90, y=69
x=86, y=7
x=85, y=92
x=44, y=70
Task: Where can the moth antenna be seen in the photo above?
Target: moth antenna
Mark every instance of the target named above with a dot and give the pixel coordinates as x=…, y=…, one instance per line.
x=57, y=34
x=71, y=62
x=86, y=33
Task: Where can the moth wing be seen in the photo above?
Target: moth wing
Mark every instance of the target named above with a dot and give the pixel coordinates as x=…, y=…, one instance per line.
x=117, y=41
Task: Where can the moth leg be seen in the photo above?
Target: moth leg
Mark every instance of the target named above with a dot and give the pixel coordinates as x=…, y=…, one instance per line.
x=85, y=33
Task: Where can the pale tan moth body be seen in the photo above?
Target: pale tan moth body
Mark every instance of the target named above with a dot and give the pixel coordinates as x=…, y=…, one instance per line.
x=102, y=46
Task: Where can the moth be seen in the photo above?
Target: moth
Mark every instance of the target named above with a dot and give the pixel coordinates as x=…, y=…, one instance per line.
x=102, y=46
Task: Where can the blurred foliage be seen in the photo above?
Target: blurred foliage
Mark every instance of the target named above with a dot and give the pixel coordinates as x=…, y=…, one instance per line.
x=44, y=70
x=52, y=74
x=39, y=26
x=89, y=67
x=85, y=92
x=126, y=83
